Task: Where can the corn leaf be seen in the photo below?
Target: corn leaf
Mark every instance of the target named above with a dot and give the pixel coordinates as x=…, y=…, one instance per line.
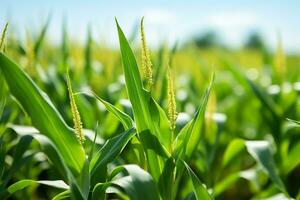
x=260, y=151
x=110, y=150
x=293, y=158
x=138, y=184
x=62, y=195
x=200, y=190
x=80, y=184
x=3, y=92
x=125, y=119
x=188, y=138
x=19, y=158
x=44, y=115
x=47, y=146
x=99, y=190
x=228, y=181
x=166, y=180
x=27, y=182
x=233, y=149
x=265, y=99
x=134, y=86
x=140, y=100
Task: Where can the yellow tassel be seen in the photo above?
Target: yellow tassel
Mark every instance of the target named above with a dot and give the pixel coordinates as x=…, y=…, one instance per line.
x=75, y=113
x=2, y=46
x=172, y=114
x=146, y=61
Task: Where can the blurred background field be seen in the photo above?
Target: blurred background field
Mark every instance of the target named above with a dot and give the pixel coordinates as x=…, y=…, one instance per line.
x=252, y=46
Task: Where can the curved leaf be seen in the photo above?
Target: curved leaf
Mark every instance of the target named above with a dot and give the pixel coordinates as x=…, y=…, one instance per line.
x=28, y=182
x=62, y=195
x=134, y=85
x=47, y=145
x=188, y=138
x=233, y=149
x=110, y=150
x=200, y=190
x=44, y=115
x=99, y=190
x=139, y=184
x=140, y=100
x=123, y=117
x=18, y=160
x=261, y=152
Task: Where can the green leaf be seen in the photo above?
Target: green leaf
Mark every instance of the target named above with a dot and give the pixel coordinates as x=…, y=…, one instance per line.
x=188, y=138
x=134, y=86
x=199, y=189
x=18, y=160
x=110, y=150
x=140, y=100
x=123, y=117
x=280, y=196
x=225, y=183
x=138, y=184
x=44, y=115
x=2, y=159
x=150, y=141
x=99, y=190
x=233, y=149
x=228, y=181
x=83, y=181
x=3, y=92
x=86, y=111
x=167, y=180
x=79, y=184
x=147, y=113
x=47, y=146
x=161, y=124
x=260, y=151
x=28, y=182
x=265, y=99
x=292, y=159
x=294, y=122
x=62, y=195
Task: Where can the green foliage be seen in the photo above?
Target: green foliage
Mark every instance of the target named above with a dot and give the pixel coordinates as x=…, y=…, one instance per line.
x=156, y=134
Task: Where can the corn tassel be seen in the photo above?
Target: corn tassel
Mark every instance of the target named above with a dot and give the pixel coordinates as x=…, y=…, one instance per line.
x=75, y=113
x=146, y=61
x=172, y=114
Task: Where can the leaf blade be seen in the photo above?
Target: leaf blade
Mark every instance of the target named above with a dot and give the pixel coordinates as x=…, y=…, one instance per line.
x=44, y=115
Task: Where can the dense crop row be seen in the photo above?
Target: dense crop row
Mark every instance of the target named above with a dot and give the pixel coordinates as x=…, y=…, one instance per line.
x=170, y=129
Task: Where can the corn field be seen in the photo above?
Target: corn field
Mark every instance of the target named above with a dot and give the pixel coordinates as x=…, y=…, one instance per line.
x=90, y=122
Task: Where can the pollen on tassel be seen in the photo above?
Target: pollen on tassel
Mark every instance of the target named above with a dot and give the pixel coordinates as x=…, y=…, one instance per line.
x=172, y=114
x=146, y=61
x=75, y=113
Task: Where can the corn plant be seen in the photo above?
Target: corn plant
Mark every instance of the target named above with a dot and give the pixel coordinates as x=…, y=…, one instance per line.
x=84, y=175
x=151, y=135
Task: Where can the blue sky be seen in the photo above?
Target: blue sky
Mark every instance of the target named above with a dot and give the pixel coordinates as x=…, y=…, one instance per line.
x=165, y=21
